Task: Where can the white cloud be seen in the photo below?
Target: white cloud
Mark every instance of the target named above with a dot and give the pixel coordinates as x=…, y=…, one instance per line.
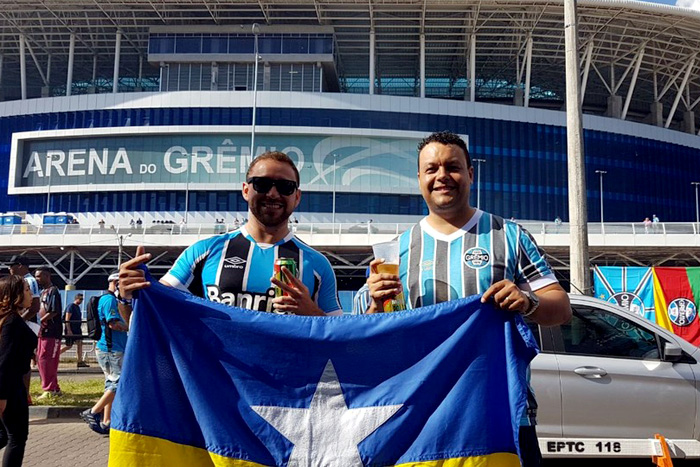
x=693, y=4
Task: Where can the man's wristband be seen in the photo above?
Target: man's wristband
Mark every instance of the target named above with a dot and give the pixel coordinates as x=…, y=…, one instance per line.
x=126, y=301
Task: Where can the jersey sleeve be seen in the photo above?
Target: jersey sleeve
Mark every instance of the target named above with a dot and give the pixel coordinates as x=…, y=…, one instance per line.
x=33, y=286
x=327, y=291
x=533, y=271
x=182, y=273
x=108, y=308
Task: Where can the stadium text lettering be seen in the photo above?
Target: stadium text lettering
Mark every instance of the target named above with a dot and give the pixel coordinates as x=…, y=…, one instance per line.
x=224, y=159
x=74, y=163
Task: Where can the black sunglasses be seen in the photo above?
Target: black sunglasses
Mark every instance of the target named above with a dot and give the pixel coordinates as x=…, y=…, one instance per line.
x=265, y=184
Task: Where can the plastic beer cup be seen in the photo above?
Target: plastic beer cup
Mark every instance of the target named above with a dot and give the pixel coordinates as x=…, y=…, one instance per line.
x=389, y=251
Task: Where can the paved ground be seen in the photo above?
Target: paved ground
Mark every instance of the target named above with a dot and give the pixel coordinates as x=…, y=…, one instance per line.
x=65, y=443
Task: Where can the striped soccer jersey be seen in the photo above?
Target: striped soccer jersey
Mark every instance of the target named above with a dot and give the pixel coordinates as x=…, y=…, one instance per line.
x=234, y=269
x=436, y=268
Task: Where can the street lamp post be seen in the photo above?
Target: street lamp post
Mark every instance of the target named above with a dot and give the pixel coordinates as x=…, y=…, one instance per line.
x=256, y=31
x=120, y=239
x=478, y=181
x=602, y=219
x=697, y=206
x=335, y=157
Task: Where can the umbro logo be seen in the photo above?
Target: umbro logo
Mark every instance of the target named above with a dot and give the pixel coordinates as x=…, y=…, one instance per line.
x=235, y=262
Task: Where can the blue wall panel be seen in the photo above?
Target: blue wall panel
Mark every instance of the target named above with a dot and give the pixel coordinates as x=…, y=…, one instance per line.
x=524, y=175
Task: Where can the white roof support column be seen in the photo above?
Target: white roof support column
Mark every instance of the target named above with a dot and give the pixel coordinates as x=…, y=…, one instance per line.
x=528, y=70
x=23, y=66
x=36, y=62
x=472, y=68
x=71, y=58
x=94, y=70
x=422, y=65
x=371, y=61
x=688, y=69
x=633, y=83
x=2, y=59
x=588, y=56
x=117, y=52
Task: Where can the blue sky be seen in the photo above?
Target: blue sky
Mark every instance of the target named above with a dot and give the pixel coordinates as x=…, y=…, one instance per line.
x=695, y=4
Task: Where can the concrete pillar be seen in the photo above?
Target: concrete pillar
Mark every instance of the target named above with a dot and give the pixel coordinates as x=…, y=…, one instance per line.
x=689, y=122
x=214, y=85
x=519, y=97
x=656, y=115
x=614, y=109
x=93, y=83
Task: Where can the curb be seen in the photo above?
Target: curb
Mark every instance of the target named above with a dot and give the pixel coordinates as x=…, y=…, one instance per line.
x=46, y=412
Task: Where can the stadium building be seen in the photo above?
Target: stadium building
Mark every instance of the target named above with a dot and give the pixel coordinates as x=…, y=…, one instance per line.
x=153, y=109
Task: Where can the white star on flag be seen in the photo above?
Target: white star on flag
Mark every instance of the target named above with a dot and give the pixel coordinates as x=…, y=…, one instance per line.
x=327, y=433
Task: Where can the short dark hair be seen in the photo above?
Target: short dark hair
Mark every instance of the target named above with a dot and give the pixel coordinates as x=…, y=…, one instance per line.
x=445, y=137
x=43, y=269
x=273, y=156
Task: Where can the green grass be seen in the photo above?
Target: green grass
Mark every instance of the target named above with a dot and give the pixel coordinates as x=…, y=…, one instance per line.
x=82, y=393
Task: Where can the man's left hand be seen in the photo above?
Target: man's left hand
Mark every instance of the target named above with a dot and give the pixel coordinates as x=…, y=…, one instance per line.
x=297, y=299
x=507, y=296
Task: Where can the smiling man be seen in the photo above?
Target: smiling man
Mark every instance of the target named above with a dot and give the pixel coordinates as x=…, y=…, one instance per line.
x=458, y=251
x=236, y=268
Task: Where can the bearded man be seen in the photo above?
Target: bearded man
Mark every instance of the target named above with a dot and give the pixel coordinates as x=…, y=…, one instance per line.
x=236, y=268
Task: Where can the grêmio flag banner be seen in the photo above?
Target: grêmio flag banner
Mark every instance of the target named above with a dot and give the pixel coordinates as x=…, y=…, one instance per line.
x=208, y=384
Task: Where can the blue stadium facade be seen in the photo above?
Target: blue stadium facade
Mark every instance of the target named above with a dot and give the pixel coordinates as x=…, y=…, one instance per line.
x=649, y=170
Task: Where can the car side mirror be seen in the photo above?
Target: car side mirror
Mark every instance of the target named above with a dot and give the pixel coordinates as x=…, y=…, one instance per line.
x=672, y=352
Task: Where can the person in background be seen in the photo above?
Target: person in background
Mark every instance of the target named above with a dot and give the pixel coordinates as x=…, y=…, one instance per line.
x=17, y=344
x=73, y=320
x=50, y=334
x=110, y=354
x=20, y=266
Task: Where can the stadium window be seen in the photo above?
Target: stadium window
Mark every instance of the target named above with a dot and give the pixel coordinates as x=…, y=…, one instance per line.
x=270, y=44
x=295, y=45
x=188, y=44
x=215, y=45
x=242, y=45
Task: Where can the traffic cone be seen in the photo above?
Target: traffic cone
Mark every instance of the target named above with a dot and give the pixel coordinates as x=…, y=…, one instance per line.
x=664, y=460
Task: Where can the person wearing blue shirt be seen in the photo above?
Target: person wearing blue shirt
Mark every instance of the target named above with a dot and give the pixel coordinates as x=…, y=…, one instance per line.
x=458, y=251
x=235, y=268
x=110, y=353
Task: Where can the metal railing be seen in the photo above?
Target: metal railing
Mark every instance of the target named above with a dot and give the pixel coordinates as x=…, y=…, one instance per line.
x=534, y=227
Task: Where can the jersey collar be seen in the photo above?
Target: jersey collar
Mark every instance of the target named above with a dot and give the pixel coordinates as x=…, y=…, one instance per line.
x=454, y=235
x=245, y=233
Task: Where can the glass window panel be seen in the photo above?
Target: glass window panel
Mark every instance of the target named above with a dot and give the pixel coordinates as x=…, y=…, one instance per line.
x=321, y=45
x=269, y=45
x=188, y=45
x=241, y=45
x=215, y=45
x=295, y=45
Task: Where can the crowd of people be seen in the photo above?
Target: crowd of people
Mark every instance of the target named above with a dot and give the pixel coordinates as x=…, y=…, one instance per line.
x=522, y=283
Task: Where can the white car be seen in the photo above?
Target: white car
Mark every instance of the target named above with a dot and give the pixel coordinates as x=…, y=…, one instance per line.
x=609, y=380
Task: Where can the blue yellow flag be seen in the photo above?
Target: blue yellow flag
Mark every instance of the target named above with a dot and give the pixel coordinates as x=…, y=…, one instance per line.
x=630, y=287
x=208, y=384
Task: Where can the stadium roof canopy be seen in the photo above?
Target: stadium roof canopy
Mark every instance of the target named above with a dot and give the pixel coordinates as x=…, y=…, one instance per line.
x=619, y=41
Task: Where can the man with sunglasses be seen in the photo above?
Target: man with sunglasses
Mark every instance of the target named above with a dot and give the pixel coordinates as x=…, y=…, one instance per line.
x=236, y=268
